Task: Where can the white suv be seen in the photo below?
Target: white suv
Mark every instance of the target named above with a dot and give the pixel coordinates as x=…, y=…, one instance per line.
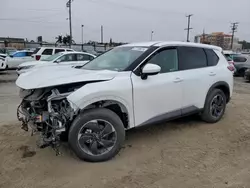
x=44, y=52
x=129, y=86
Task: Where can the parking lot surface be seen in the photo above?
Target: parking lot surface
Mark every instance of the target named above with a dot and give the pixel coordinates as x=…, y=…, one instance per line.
x=182, y=153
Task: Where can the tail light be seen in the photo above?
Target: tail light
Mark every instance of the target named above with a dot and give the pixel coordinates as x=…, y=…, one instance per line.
x=38, y=57
x=231, y=68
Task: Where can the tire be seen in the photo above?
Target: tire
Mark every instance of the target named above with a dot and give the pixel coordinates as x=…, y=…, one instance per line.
x=241, y=72
x=207, y=112
x=80, y=123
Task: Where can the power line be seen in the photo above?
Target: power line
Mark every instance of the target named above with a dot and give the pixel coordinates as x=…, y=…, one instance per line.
x=188, y=28
x=234, y=27
x=27, y=20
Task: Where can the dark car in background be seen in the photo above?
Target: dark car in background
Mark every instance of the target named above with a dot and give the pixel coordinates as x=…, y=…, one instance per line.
x=241, y=62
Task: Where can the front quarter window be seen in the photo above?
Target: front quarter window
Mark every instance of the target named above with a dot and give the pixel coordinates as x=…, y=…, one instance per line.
x=117, y=59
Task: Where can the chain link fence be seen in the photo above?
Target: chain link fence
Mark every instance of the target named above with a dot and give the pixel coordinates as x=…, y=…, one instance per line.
x=77, y=47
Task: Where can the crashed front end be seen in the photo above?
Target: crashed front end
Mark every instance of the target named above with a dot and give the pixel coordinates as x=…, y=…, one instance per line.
x=48, y=112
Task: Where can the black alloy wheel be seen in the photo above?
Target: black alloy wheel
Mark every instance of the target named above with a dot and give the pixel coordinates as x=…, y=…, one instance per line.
x=217, y=106
x=97, y=137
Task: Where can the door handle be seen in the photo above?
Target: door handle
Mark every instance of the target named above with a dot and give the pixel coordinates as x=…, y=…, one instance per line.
x=177, y=80
x=212, y=74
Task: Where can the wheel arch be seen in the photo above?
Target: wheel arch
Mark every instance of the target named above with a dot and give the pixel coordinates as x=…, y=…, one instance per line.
x=222, y=86
x=116, y=105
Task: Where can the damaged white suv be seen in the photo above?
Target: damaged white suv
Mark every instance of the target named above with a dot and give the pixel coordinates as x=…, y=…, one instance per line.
x=126, y=87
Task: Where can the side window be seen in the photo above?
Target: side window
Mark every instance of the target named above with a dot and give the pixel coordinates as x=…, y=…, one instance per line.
x=59, y=50
x=84, y=57
x=67, y=57
x=69, y=50
x=239, y=59
x=212, y=58
x=47, y=52
x=167, y=59
x=191, y=58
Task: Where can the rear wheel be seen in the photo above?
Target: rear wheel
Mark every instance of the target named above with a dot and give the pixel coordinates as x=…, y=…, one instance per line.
x=97, y=135
x=215, y=106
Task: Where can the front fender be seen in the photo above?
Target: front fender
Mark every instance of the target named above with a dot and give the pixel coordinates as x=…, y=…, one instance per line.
x=118, y=90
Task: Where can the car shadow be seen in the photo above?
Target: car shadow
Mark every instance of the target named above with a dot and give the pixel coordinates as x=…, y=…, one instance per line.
x=161, y=128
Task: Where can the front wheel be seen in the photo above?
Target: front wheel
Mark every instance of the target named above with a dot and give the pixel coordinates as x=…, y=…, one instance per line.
x=215, y=106
x=96, y=135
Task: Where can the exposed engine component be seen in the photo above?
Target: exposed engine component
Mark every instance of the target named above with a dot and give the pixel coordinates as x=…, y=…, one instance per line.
x=46, y=111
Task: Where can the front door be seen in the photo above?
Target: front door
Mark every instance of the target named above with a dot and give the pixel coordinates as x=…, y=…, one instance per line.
x=158, y=97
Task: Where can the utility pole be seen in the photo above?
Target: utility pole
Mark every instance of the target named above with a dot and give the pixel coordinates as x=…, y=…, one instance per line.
x=203, y=37
x=82, y=36
x=234, y=27
x=188, y=28
x=101, y=34
x=68, y=4
x=151, y=38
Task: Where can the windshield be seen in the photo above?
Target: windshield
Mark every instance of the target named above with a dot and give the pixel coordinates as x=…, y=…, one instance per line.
x=117, y=59
x=52, y=57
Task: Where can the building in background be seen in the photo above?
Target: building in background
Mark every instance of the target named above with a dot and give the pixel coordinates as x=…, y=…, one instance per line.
x=219, y=39
x=18, y=43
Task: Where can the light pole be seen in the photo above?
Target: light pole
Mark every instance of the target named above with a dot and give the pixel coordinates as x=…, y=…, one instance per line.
x=152, y=32
x=82, y=36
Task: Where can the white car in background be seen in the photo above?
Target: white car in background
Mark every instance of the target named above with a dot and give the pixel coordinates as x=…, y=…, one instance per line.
x=3, y=65
x=44, y=52
x=60, y=59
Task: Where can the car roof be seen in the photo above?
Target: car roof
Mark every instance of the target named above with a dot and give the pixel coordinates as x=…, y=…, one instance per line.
x=174, y=43
x=51, y=47
x=74, y=52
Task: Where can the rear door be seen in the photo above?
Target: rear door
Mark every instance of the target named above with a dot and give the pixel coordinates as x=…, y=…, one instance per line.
x=198, y=76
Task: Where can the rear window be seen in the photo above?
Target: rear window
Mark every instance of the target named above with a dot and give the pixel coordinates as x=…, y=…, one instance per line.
x=29, y=53
x=239, y=59
x=36, y=50
x=212, y=58
x=59, y=50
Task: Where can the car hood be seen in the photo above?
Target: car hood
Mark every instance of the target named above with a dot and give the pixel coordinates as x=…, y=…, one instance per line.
x=48, y=77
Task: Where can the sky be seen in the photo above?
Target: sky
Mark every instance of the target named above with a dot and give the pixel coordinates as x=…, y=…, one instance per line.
x=123, y=21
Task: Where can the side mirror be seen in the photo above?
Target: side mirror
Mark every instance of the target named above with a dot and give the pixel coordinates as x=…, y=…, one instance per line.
x=150, y=70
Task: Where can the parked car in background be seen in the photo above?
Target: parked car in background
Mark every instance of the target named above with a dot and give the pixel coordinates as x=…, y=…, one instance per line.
x=3, y=65
x=241, y=63
x=129, y=86
x=8, y=50
x=58, y=59
x=230, y=62
x=18, y=57
x=44, y=52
